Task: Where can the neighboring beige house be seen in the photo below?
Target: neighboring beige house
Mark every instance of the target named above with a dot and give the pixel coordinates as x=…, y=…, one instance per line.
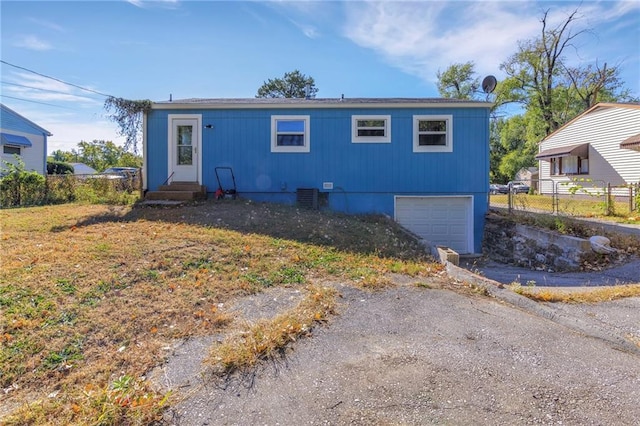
x=599, y=147
x=528, y=175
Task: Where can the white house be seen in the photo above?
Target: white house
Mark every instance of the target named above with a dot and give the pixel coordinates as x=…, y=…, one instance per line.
x=23, y=138
x=599, y=147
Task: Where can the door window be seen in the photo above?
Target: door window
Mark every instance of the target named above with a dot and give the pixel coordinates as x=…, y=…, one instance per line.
x=185, y=145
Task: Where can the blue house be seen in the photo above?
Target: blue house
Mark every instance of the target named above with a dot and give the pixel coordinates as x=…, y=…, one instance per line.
x=424, y=162
x=23, y=138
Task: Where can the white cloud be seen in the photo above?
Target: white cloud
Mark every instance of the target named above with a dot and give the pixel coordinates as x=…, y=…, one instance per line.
x=308, y=30
x=167, y=4
x=32, y=42
x=47, y=24
x=37, y=88
x=66, y=136
x=421, y=38
x=424, y=37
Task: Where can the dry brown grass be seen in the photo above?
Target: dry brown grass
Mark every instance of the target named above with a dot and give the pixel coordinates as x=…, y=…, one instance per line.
x=268, y=338
x=90, y=294
x=595, y=295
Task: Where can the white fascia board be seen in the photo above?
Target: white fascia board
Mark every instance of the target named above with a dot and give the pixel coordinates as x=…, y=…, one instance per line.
x=341, y=105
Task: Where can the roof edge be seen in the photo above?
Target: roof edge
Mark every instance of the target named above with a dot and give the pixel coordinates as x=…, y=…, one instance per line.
x=45, y=131
x=631, y=105
x=306, y=104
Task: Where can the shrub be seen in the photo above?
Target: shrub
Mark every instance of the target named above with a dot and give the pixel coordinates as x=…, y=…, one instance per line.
x=19, y=187
x=59, y=168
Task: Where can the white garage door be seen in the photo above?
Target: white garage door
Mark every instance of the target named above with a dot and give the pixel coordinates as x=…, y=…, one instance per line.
x=443, y=221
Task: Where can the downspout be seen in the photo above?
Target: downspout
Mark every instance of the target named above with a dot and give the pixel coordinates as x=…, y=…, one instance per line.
x=46, y=135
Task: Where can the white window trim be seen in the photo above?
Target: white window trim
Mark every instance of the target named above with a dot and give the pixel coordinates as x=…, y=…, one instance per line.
x=370, y=139
x=435, y=148
x=295, y=149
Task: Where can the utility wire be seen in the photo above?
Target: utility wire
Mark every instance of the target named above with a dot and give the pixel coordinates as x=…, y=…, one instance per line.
x=35, y=102
x=56, y=79
x=38, y=88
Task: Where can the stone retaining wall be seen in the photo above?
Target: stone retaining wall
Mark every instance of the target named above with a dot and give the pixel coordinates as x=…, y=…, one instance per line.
x=508, y=242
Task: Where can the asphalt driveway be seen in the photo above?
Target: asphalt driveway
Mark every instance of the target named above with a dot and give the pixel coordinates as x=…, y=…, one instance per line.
x=414, y=355
x=628, y=273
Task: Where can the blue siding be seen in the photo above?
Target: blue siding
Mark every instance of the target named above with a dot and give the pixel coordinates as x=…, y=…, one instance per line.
x=365, y=176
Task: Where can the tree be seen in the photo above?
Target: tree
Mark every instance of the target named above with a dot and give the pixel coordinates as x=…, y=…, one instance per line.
x=537, y=64
x=519, y=137
x=539, y=78
x=593, y=84
x=98, y=154
x=293, y=85
x=458, y=81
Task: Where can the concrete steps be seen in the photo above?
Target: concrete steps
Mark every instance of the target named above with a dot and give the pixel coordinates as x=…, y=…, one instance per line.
x=178, y=191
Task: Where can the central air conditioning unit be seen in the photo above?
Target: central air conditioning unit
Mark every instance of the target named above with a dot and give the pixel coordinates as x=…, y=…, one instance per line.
x=307, y=197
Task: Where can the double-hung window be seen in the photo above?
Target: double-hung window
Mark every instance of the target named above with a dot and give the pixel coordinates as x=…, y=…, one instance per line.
x=290, y=133
x=432, y=133
x=370, y=128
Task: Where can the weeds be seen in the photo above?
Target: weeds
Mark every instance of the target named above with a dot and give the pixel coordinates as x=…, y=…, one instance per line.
x=268, y=338
x=595, y=295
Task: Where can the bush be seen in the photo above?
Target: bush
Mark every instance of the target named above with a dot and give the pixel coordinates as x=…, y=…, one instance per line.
x=59, y=168
x=19, y=187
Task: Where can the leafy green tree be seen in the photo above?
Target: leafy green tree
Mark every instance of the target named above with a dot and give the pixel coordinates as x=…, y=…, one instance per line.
x=293, y=85
x=539, y=78
x=519, y=139
x=458, y=81
x=98, y=154
x=59, y=168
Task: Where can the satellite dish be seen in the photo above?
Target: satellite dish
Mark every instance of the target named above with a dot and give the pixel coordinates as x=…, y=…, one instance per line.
x=489, y=84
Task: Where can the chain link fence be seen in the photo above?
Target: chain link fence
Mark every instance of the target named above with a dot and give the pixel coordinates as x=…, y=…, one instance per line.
x=578, y=197
x=58, y=189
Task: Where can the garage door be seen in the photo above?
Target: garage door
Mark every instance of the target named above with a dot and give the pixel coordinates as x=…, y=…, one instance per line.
x=444, y=221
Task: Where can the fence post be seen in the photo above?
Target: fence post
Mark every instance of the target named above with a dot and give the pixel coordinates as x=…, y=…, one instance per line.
x=509, y=199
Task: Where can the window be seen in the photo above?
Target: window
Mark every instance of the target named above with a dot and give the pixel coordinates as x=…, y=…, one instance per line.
x=11, y=150
x=370, y=128
x=569, y=165
x=432, y=133
x=290, y=133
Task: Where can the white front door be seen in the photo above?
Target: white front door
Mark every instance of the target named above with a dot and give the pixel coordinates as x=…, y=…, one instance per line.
x=184, y=148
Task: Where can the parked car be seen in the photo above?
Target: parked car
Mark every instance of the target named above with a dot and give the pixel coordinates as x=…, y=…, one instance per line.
x=498, y=188
x=127, y=172
x=518, y=187
x=123, y=177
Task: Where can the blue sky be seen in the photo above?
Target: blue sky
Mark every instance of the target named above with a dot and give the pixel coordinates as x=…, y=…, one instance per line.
x=150, y=49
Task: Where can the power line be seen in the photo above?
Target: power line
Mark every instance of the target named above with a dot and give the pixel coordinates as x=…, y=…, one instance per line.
x=35, y=102
x=37, y=88
x=56, y=79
